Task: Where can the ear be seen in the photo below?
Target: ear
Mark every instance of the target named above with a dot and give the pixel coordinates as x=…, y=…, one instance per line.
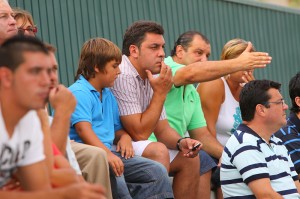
x=134, y=51
x=260, y=110
x=96, y=69
x=6, y=76
x=297, y=101
x=179, y=51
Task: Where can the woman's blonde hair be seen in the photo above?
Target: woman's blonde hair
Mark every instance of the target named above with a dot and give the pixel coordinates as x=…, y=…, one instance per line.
x=24, y=15
x=234, y=48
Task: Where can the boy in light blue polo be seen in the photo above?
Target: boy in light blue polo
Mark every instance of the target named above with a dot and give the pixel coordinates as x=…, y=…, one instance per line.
x=96, y=121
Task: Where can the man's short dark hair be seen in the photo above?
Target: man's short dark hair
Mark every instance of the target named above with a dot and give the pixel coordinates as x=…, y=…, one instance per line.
x=253, y=93
x=294, y=91
x=135, y=34
x=12, y=50
x=185, y=40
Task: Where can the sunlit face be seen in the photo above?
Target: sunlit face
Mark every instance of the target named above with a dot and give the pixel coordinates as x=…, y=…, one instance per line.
x=54, y=68
x=110, y=73
x=27, y=28
x=31, y=81
x=8, y=26
x=151, y=52
x=198, y=50
x=276, y=113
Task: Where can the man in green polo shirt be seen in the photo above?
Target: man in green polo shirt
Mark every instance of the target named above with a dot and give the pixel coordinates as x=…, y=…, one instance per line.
x=183, y=106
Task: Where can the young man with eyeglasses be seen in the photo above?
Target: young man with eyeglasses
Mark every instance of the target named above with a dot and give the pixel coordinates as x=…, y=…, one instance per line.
x=255, y=163
x=290, y=133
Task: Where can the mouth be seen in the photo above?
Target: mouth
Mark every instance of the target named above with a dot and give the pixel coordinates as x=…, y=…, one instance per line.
x=13, y=30
x=43, y=95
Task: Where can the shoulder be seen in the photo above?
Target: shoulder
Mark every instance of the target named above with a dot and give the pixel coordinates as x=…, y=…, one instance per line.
x=217, y=84
x=241, y=138
x=213, y=89
x=30, y=123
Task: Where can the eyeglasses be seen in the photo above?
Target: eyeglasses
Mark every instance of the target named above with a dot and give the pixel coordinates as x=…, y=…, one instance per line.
x=29, y=29
x=281, y=101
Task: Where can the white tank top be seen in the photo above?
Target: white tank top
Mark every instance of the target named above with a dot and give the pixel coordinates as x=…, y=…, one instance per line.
x=229, y=116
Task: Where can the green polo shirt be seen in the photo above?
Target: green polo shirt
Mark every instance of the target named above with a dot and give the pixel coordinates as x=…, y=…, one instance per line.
x=183, y=106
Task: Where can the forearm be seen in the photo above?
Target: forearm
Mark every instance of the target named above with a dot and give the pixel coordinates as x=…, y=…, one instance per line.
x=204, y=71
x=48, y=149
x=169, y=140
x=60, y=130
x=27, y=195
x=63, y=177
x=119, y=134
x=210, y=144
x=167, y=135
x=149, y=118
x=89, y=137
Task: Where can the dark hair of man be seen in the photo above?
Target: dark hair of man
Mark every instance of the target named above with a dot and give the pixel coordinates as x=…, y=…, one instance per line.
x=254, y=93
x=96, y=52
x=50, y=47
x=12, y=50
x=294, y=91
x=135, y=34
x=185, y=40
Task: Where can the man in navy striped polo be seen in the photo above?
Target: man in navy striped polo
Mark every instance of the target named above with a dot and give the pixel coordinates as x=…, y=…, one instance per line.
x=290, y=133
x=255, y=164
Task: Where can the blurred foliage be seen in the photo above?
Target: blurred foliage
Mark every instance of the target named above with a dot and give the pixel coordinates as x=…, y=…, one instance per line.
x=294, y=3
x=290, y=3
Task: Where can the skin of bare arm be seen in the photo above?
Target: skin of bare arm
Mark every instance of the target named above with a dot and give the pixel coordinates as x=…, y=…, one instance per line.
x=210, y=70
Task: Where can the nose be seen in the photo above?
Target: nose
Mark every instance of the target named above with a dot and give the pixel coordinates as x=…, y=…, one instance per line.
x=118, y=70
x=204, y=58
x=12, y=21
x=45, y=78
x=53, y=76
x=285, y=106
x=161, y=52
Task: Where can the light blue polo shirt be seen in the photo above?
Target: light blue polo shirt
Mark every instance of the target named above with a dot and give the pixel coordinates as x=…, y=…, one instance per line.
x=103, y=115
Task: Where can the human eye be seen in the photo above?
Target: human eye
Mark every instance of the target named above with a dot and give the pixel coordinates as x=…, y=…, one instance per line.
x=199, y=52
x=35, y=71
x=54, y=69
x=3, y=15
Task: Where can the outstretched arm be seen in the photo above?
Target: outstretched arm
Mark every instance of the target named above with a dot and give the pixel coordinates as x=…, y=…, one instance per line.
x=209, y=70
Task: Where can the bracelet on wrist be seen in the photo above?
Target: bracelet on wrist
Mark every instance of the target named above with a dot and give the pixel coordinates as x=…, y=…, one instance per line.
x=178, y=143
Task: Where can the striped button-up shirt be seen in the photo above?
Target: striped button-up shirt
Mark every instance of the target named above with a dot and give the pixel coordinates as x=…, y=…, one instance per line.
x=131, y=91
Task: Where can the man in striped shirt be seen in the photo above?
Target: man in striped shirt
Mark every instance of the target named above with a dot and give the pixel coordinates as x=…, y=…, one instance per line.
x=290, y=134
x=255, y=164
x=141, y=96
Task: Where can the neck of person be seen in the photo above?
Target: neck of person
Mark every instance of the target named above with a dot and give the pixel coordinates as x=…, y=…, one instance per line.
x=138, y=68
x=177, y=60
x=298, y=114
x=262, y=131
x=96, y=83
x=11, y=118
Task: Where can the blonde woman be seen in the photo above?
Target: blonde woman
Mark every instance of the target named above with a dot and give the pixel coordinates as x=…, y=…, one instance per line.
x=220, y=98
x=25, y=22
